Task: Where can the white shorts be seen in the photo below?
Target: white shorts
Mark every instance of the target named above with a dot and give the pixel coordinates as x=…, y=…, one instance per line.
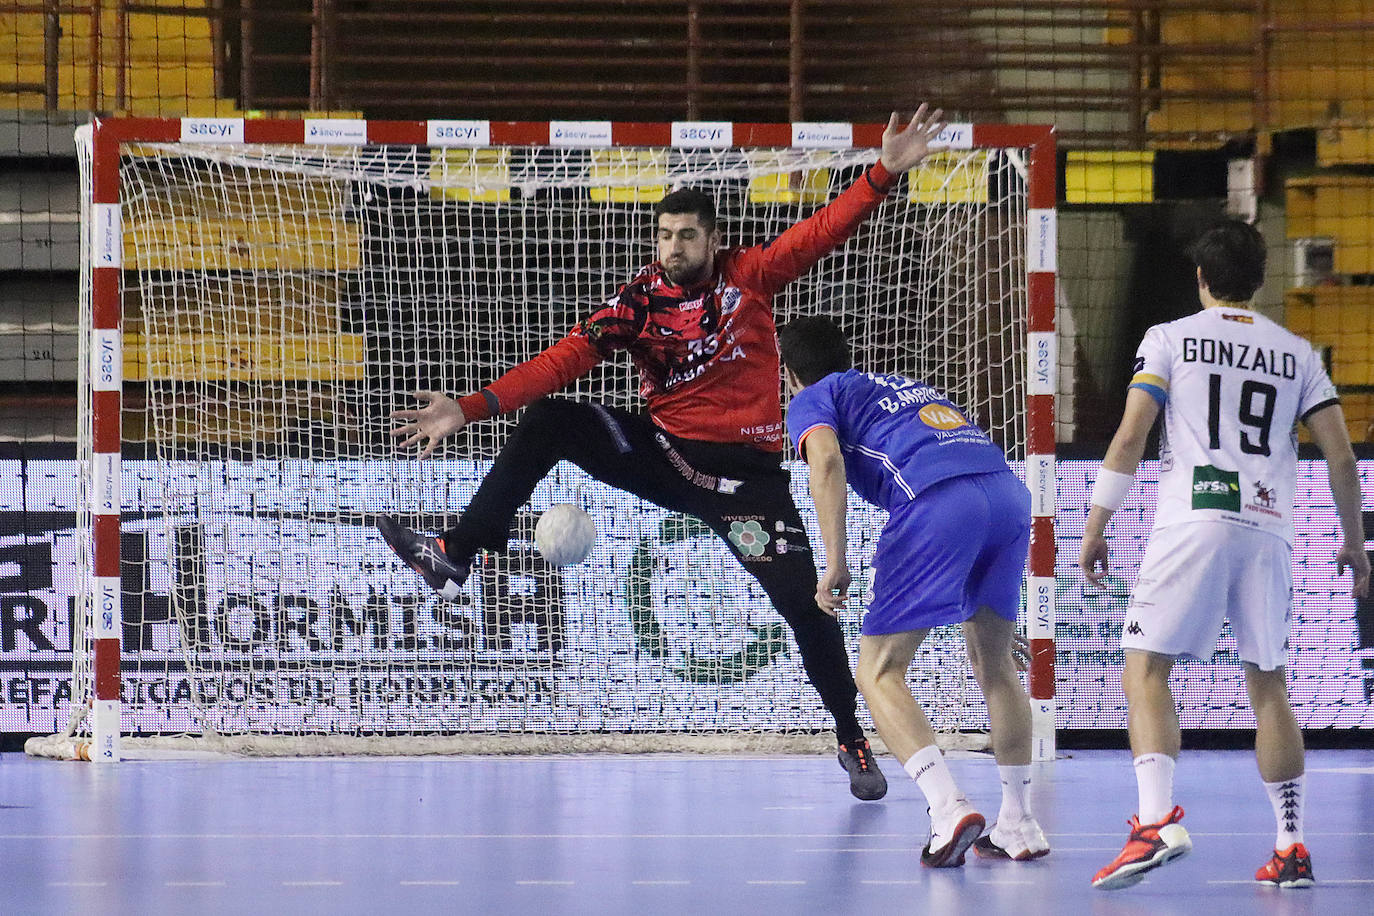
x=1196, y=574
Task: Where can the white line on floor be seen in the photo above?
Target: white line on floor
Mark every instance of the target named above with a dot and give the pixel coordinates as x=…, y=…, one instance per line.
x=1324, y=882
x=449, y=837
x=428, y=883
x=891, y=881
x=661, y=881
x=312, y=884
x=587, y=836
x=534, y=883
x=906, y=849
x=194, y=884
x=774, y=882
x=76, y=884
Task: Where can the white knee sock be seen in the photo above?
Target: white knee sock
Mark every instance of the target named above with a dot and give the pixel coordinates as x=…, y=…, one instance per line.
x=927, y=767
x=1287, y=799
x=1016, y=783
x=1154, y=780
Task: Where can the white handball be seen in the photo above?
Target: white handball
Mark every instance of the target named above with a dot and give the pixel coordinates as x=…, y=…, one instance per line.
x=565, y=535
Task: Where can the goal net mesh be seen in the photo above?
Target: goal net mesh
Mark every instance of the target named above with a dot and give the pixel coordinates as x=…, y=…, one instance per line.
x=281, y=301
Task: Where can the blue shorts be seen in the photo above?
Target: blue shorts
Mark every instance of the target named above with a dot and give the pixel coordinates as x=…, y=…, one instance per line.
x=959, y=545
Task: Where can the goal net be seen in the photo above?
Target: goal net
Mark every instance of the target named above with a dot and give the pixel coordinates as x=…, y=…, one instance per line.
x=280, y=299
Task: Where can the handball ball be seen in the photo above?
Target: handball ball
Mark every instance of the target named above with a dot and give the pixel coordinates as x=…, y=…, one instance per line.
x=565, y=535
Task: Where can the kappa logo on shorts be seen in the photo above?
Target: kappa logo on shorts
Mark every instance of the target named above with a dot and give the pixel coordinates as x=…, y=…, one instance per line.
x=1214, y=488
x=1135, y=629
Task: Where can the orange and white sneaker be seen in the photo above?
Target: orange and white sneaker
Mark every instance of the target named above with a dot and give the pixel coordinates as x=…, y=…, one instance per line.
x=1149, y=846
x=1291, y=867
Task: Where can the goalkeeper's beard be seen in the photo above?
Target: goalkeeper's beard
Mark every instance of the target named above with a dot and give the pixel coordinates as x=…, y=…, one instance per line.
x=685, y=274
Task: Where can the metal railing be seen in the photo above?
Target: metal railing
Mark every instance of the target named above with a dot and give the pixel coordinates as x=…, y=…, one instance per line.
x=1098, y=69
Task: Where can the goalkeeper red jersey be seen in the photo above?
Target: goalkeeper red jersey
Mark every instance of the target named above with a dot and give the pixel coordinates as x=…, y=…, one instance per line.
x=707, y=355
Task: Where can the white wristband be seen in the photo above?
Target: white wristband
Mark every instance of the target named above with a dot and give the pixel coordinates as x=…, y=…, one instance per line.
x=1110, y=488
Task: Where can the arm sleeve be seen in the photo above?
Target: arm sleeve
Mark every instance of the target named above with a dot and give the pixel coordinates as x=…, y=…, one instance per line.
x=1317, y=389
x=810, y=408
x=773, y=265
x=614, y=326
x=570, y=358
x=1153, y=365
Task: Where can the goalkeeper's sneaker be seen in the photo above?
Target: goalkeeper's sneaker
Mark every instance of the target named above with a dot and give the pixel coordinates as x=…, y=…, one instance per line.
x=1149, y=846
x=425, y=555
x=1021, y=840
x=1290, y=868
x=866, y=781
x=951, y=835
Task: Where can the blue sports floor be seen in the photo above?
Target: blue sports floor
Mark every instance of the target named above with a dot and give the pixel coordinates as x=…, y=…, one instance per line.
x=636, y=834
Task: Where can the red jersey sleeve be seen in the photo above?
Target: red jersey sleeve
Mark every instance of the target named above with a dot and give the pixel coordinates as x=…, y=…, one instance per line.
x=775, y=264
x=612, y=327
x=569, y=359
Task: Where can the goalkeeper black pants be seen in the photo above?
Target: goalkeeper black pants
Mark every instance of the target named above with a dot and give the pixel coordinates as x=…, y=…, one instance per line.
x=741, y=493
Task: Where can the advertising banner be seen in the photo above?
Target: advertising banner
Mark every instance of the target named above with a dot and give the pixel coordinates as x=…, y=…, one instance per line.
x=258, y=595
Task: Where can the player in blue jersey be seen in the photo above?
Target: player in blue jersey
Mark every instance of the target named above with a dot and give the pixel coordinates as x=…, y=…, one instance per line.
x=953, y=551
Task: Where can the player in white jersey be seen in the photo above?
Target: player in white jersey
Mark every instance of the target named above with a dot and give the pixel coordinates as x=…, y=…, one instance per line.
x=1232, y=385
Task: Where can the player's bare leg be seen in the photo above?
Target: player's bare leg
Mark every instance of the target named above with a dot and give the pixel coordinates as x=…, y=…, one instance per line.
x=881, y=674
x=1156, y=836
x=1153, y=718
x=1016, y=835
x=1279, y=753
x=989, y=637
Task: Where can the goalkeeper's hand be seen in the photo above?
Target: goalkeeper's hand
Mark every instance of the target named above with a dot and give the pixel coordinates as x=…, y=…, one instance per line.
x=440, y=418
x=833, y=589
x=905, y=147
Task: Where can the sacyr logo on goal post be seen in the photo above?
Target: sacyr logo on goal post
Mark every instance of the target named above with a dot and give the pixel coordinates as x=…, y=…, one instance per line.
x=699, y=664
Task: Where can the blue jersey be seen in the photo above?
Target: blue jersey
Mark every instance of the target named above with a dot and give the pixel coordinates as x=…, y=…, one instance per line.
x=898, y=436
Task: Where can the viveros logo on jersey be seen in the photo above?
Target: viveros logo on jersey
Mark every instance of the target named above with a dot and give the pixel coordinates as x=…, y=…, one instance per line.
x=1214, y=488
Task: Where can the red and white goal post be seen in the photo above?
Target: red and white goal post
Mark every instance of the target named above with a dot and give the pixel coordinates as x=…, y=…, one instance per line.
x=256, y=294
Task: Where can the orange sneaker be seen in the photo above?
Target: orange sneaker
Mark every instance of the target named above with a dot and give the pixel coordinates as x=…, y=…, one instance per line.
x=1290, y=868
x=1149, y=846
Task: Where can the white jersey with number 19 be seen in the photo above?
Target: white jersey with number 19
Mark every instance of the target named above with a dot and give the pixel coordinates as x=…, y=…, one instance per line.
x=1233, y=385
